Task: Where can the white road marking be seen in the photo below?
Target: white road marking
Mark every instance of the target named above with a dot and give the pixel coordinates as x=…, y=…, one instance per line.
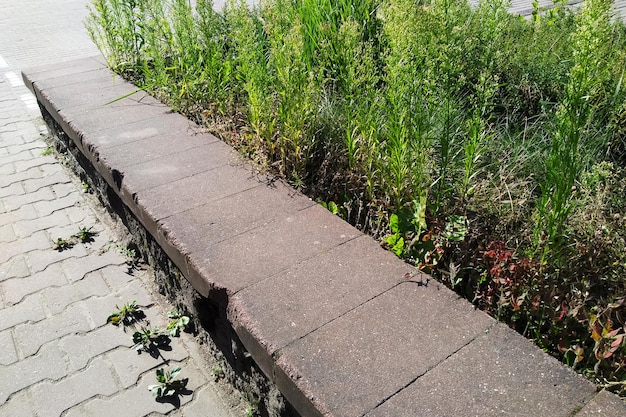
x=29, y=101
x=13, y=78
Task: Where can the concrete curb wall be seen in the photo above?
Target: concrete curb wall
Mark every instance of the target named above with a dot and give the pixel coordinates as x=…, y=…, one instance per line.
x=341, y=326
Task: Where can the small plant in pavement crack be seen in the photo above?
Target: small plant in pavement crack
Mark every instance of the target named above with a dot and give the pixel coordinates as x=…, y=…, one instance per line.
x=85, y=234
x=167, y=384
x=177, y=323
x=149, y=340
x=62, y=244
x=132, y=260
x=128, y=314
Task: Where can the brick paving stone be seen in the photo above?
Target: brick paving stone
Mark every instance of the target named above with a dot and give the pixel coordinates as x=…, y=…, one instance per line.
x=30, y=337
x=64, y=189
x=30, y=162
x=98, y=309
x=129, y=364
x=59, y=298
x=603, y=404
x=40, y=259
x=11, y=160
x=81, y=348
x=14, y=268
x=205, y=398
x=75, y=269
x=26, y=228
x=19, y=176
x=56, y=397
x=35, y=184
x=137, y=400
x=8, y=354
x=45, y=208
x=26, y=212
x=16, y=188
x=16, y=289
x=33, y=242
x=49, y=363
x=6, y=169
x=18, y=406
x=43, y=194
x=29, y=310
x=115, y=277
x=7, y=233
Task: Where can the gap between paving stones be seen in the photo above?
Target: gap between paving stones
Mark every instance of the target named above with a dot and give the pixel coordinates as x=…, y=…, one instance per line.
x=328, y=316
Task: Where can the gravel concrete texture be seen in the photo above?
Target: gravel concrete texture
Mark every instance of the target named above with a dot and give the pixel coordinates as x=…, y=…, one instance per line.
x=58, y=356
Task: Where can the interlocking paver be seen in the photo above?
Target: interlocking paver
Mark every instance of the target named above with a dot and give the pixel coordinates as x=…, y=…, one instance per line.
x=15, y=289
x=40, y=259
x=17, y=188
x=8, y=354
x=98, y=309
x=19, y=176
x=28, y=310
x=49, y=363
x=133, y=402
x=7, y=233
x=26, y=228
x=26, y=212
x=34, y=184
x=76, y=269
x=45, y=208
x=58, y=298
x=14, y=268
x=82, y=348
x=43, y=194
x=30, y=162
x=18, y=406
x=130, y=364
x=30, y=337
x=55, y=397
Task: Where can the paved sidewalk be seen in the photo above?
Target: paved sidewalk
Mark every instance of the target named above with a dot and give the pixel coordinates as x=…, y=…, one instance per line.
x=57, y=354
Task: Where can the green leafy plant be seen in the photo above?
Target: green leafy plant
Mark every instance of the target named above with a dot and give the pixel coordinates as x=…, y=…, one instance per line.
x=177, y=323
x=149, y=340
x=217, y=372
x=63, y=244
x=128, y=314
x=132, y=260
x=168, y=385
x=48, y=151
x=85, y=234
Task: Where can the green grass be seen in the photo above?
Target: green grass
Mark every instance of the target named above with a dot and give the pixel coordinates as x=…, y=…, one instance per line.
x=484, y=148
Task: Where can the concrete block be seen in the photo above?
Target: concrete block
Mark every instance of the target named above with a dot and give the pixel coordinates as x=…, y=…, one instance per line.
x=267, y=249
x=604, y=404
x=500, y=373
x=358, y=360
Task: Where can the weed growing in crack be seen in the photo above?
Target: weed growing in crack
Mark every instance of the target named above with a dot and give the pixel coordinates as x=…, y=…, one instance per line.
x=128, y=314
x=178, y=323
x=150, y=340
x=168, y=385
